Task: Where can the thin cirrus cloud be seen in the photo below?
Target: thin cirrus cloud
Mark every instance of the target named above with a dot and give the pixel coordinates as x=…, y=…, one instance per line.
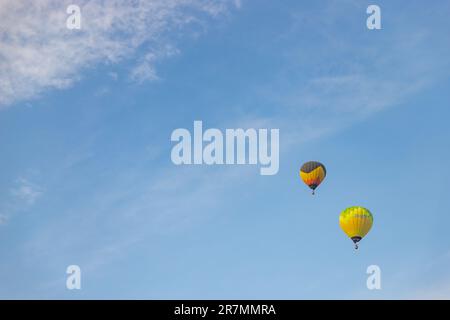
x=339, y=80
x=26, y=191
x=38, y=52
x=22, y=196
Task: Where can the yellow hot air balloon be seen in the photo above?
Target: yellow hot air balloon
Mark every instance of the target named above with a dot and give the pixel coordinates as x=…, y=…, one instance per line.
x=356, y=223
x=312, y=174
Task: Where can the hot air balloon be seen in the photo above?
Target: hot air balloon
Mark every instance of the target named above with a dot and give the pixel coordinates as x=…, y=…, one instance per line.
x=356, y=223
x=312, y=174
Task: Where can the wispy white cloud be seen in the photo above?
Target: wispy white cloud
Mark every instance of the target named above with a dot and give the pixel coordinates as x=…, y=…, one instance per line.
x=338, y=80
x=38, y=52
x=145, y=69
x=26, y=192
x=22, y=196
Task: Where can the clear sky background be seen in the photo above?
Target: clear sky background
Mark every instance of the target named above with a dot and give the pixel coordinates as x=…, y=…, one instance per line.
x=86, y=176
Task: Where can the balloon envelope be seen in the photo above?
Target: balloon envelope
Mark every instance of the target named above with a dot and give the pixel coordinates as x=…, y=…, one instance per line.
x=356, y=222
x=312, y=173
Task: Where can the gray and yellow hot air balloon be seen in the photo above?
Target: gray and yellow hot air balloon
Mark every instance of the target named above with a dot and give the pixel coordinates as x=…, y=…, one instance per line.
x=312, y=173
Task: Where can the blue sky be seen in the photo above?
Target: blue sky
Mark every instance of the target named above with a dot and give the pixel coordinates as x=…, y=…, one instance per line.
x=85, y=124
